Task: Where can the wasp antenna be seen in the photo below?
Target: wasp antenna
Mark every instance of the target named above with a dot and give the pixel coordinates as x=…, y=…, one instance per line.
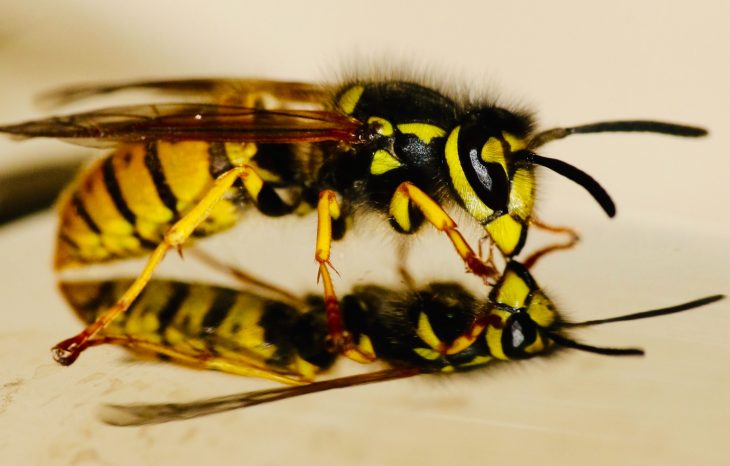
x=568, y=343
x=653, y=313
x=143, y=414
x=621, y=126
x=576, y=175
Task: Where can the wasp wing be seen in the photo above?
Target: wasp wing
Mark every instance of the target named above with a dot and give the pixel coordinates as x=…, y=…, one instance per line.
x=192, y=122
x=218, y=90
x=143, y=414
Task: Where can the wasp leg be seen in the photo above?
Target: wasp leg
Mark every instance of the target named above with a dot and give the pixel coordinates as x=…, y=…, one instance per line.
x=68, y=350
x=572, y=240
x=328, y=209
x=245, y=278
x=200, y=359
x=406, y=194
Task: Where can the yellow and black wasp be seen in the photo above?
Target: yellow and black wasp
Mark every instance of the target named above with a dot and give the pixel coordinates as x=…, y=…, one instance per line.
x=436, y=329
x=398, y=148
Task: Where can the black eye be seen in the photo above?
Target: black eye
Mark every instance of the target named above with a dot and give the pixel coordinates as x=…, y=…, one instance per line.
x=519, y=333
x=487, y=178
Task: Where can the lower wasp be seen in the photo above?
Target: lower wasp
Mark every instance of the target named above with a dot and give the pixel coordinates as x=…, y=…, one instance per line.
x=395, y=147
x=440, y=328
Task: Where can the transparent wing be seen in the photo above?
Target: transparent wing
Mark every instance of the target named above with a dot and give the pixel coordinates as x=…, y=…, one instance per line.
x=217, y=90
x=196, y=122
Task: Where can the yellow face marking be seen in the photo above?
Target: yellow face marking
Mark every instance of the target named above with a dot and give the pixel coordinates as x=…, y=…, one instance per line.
x=537, y=346
x=349, y=99
x=448, y=369
x=506, y=233
x=541, y=310
x=522, y=194
x=383, y=161
x=493, y=152
x=427, y=353
x=494, y=336
x=513, y=291
x=514, y=142
x=425, y=332
x=422, y=131
x=385, y=128
x=472, y=203
x=399, y=209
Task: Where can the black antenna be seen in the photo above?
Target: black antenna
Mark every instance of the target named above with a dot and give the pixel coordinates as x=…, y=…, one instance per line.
x=647, y=314
x=576, y=175
x=568, y=343
x=626, y=126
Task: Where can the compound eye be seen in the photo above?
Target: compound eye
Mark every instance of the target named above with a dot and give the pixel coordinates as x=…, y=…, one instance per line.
x=519, y=333
x=482, y=157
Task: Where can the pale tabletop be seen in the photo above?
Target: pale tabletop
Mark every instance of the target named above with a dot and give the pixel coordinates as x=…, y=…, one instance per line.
x=571, y=62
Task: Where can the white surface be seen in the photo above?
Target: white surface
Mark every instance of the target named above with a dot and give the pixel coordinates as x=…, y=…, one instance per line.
x=573, y=62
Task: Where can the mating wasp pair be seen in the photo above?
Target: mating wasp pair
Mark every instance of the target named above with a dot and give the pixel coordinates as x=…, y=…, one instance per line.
x=400, y=149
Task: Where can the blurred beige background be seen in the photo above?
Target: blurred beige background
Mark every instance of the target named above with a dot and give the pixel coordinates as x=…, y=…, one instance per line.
x=574, y=62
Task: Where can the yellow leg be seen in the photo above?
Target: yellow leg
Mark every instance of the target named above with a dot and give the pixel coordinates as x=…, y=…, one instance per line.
x=68, y=350
x=199, y=359
x=327, y=210
x=408, y=193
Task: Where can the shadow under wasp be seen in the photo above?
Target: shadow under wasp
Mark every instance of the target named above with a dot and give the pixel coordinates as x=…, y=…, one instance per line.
x=435, y=329
x=398, y=148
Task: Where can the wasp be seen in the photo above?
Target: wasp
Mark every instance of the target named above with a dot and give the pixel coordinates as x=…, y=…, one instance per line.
x=435, y=329
x=401, y=149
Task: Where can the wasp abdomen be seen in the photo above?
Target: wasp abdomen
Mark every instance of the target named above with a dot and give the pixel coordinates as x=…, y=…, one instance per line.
x=123, y=205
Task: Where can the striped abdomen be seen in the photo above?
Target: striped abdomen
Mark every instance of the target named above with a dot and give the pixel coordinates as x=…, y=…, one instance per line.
x=401, y=328
x=122, y=205
x=195, y=319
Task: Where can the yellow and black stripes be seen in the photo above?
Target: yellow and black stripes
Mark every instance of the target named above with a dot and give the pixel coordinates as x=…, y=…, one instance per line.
x=422, y=329
x=154, y=168
x=196, y=321
x=123, y=205
x=438, y=328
